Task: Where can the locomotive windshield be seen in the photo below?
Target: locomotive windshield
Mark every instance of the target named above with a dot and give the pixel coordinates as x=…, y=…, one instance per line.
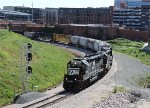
x=76, y=67
x=73, y=71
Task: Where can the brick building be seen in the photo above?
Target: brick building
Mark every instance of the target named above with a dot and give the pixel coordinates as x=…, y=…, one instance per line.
x=50, y=16
x=85, y=15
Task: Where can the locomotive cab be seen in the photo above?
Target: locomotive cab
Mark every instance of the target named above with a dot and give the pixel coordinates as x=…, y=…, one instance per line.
x=76, y=68
x=108, y=57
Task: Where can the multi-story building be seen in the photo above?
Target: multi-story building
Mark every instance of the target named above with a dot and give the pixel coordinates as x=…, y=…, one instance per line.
x=14, y=15
x=132, y=13
x=85, y=15
x=35, y=12
x=127, y=13
x=145, y=18
x=50, y=16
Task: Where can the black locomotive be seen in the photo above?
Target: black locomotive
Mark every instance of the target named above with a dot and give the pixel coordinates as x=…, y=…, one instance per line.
x=83, y=71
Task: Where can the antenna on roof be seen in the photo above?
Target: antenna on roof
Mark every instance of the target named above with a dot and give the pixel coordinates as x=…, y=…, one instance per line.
x=32, y=11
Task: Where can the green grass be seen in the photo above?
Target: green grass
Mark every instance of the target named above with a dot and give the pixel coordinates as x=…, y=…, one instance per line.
x=49, y=64
x=119, y=89
x=130, y=48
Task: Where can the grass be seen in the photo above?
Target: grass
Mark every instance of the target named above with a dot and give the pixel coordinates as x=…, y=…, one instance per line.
x=119, y=89
x=48, y=64
x=130, y=48
x=143, y=80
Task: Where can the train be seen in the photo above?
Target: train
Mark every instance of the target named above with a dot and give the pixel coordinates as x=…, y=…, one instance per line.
x=83, y=71
x=79, y=41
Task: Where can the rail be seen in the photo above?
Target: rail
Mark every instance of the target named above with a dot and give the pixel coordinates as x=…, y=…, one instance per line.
x=49, y=101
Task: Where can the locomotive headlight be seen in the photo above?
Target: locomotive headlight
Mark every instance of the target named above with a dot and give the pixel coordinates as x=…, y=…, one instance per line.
x=75, y=79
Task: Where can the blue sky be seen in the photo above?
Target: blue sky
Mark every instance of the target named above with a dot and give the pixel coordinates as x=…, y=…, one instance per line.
x=57, y=3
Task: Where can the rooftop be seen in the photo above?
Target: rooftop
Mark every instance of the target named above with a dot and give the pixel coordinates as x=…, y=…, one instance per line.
x=8, y=12
x=92, y=25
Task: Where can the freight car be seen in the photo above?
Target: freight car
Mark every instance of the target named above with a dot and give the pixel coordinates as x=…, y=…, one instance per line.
x=83, y=71
x=62, y=38
x=88, y=43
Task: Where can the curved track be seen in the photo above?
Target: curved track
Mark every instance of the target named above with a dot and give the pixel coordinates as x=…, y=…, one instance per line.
x=48, y=101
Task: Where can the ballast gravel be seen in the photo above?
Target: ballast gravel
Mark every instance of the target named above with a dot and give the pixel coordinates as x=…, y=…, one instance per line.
x=28, y=97
x=119, y=100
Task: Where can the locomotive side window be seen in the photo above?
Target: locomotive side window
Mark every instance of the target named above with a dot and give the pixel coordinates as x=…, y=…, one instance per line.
x=83, y=69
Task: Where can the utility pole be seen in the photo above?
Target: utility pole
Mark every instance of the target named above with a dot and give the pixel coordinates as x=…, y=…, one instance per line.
x=28, y=68
x=149, y=29
x=48, y=18
x=149, y=33
x=24, y=65
x=32, y=11
x=4, y=16
x=149, y=39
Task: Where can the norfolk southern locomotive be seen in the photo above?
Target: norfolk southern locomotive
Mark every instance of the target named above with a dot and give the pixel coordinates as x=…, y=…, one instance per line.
x=83, y=71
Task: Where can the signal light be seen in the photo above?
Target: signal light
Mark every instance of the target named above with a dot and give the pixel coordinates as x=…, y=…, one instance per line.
x=29, y=69
x=29, y=56
x=29, y=45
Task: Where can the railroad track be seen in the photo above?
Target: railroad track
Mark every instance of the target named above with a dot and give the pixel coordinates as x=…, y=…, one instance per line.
x=49, y=101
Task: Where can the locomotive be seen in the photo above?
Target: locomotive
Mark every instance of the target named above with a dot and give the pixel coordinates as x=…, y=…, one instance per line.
x=81, y=72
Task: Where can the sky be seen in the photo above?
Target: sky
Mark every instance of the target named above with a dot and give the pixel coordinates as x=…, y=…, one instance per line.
x=57, y=3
